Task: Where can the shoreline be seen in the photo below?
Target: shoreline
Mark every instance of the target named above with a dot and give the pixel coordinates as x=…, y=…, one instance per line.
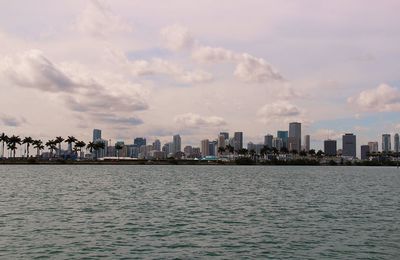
x=300, y=162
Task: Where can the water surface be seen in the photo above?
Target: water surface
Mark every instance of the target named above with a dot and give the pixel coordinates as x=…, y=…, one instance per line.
x=187, y=212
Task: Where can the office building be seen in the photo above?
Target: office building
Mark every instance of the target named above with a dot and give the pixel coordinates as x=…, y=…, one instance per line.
x=268, y=140
x=307, y=143
x=396, y=143
x=188, y=150
x=238, y=136
x=212, y=148
x=176, y=144
x=349, y=145
x=96, y=134
x=157, y=145
x=386, y=144
x=205, y=146
x=294, y=140
x=225, y=135
x=373, y=147
x=330, y=147
x=364, y=152
x=277, y=143
x=284, y=136
x=139, y=141
x=221, y=141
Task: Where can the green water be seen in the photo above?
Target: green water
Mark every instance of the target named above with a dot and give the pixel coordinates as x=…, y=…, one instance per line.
x=189, y=212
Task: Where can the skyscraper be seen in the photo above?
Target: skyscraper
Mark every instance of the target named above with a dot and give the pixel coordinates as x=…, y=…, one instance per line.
x=386, y=143
x=204, y=146
x=364, y=152
x=330, y=147
x=307, y=143
x=238, y=136
x=221, y=141
x=225, y=134
x=139, y=141
x=349, y=145
x=396, y=143
x=268, y=140
x=373, y=147
x=157, y=145
x=96, y=134
x=176, y=144
x=294, y=140
x=284, y=136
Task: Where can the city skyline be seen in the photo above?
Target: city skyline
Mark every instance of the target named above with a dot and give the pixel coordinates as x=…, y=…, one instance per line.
x=132, y=70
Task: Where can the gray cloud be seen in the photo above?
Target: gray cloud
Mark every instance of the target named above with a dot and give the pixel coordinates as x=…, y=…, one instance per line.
x=12, y=121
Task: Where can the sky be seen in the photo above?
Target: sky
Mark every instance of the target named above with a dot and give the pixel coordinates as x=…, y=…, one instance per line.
x=196, y=68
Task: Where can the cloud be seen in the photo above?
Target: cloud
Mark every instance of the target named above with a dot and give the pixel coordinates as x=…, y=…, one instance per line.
x=279, y=109
x=195, y=120
x=12, y=121
x=160, y=66
x=384, y=98
x=31, y=69
x=324, y=134
x=105, y=97
x=177, y=37
x=248, y=68
x=97, y=20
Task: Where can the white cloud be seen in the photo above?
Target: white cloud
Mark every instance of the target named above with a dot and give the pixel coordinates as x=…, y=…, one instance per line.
x=177, y=37
x=104, y=97
x=195, y=120
x=32, y=69
x=160, y=66
x=384, y=98
x=324, y=134
x=248, y=68
x=279, y=109
x=98, y=20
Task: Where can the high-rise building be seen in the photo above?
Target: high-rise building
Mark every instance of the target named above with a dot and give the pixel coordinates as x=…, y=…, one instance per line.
x=221, y=141
x=307, y=143
x=373, y=147
x=205, y=146
x=349, y=145
x=96, y=134
x=188, y=151
x=238, y=136
x=277, y=143
x=268, y=140
x=330, y=147
x=176, y=143
x=212, y=148
x=294, y=140
x=251, y=146
x=225, y=134
x=396, y=143
x=284, y=136
x=157, y=145
x=386, y=144
x=364, y=152
x=139, y=141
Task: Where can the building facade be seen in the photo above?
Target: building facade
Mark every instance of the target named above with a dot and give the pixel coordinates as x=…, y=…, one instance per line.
x=364, y=152
x=386, y=143
x=294, y=140
x=349, y=145
x=330, y=147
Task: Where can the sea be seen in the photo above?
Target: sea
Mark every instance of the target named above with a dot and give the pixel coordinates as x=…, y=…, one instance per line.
x=199, y=212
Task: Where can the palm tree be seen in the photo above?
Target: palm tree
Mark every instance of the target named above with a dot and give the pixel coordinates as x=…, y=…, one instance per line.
x=38, y=145
x=98, y=146
x=221, y=150
x=28, y=141
x=118, y=147
x=230, y=149
x=52, y=144
x=79, y=145
x=12, y=143
x=3, y=139
x=70, y=140
x=90, y=146
x=59, y=140
x=252, y=153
